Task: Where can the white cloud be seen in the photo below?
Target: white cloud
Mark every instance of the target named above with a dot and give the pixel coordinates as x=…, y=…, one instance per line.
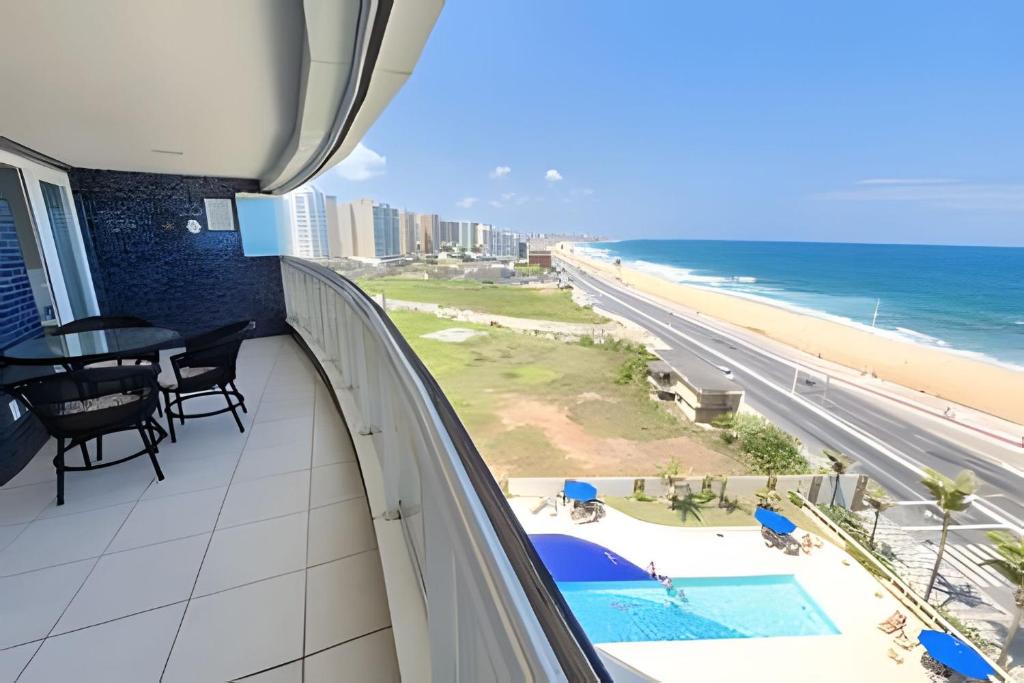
x=495, y=203
x=466, y=202
x=505, y=196
x=943, y=193
x=552, y=176
x=501, y=171
x=582, y=192
x=361, y=164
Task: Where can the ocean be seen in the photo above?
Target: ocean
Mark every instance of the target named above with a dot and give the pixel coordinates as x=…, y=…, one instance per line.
x=968, y=300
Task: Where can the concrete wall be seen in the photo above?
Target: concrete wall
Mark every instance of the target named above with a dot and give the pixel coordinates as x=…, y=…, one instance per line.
x=145, y=262
x=816, y=488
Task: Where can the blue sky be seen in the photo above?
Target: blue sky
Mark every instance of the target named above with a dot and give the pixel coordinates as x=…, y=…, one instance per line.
x=855, y=122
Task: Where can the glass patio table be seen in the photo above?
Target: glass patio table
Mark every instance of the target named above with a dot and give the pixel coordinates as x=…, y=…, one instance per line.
x=81, y=348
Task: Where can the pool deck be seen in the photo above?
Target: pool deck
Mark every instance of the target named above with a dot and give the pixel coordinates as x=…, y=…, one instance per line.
x=852, y=598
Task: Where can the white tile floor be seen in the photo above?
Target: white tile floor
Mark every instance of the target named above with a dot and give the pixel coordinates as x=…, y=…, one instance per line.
x=254, y=559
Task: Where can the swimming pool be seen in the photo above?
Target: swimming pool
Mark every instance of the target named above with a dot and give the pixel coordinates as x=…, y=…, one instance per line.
x=715, y=607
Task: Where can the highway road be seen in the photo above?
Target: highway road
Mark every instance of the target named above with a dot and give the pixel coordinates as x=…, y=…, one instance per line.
x=889, y=442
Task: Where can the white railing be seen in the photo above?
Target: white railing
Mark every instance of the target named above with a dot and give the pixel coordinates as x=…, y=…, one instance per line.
x=491, y=610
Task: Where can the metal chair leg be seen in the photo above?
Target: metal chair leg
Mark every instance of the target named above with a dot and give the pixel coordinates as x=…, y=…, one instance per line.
x=241, y=399
x=59, y=464
x=99, y=448
x=234, y=413
x=170, y=417
x=85, y=454
x=181, y=415
x=151, y=451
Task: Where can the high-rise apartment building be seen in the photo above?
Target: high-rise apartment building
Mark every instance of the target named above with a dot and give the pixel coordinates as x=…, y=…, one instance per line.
x=448, y=234
x=366, y=229
x=410, y=242
x=308, y=213
x=429, y=227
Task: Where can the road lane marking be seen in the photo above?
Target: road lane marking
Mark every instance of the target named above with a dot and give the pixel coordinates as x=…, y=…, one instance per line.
x=995, y=439
x=907, y=462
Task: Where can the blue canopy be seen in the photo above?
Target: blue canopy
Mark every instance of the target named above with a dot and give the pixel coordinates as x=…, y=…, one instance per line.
x=774, y=521
x=572, y=559
x=579, y=490
x=956, y=654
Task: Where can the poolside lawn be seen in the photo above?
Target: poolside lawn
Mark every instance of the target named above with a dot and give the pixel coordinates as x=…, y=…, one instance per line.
x=511, y=300
x=658, y=512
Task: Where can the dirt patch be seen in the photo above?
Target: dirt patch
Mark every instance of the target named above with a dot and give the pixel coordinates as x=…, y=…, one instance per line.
x=589, y=454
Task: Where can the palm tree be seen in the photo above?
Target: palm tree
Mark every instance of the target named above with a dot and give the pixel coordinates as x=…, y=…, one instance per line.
x=1010, y=564
x=839, y=466
x=879, y=503
x=951, y=495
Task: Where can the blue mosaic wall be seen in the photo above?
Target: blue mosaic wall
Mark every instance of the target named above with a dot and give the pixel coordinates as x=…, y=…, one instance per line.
x=19, y=318
x=146, y=263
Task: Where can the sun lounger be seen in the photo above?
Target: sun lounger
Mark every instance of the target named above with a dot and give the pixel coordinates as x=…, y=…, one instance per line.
x=783, y=542
x=894, y=623
x=904, y=642
x=582, y=500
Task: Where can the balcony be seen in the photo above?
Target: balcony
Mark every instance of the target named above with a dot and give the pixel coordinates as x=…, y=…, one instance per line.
x=351, y=527
x=257, y=553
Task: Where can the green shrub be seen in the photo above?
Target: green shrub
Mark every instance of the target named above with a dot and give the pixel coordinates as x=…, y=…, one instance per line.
x=670, y=468
x=586, y=340
x=632, y=370
x=769, y=449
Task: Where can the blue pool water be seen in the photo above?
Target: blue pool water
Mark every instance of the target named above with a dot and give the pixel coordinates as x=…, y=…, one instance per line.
x=715, y=607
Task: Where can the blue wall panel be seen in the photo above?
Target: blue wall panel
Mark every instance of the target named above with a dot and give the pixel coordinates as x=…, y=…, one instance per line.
x=145, y=262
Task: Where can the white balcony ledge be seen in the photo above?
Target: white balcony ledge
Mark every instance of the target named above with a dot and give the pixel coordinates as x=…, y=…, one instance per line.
x=255, y=559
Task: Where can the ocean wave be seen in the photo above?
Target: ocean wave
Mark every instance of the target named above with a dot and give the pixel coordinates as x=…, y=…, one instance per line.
x=1018, y=322
x=688, y=276
x=921, y=337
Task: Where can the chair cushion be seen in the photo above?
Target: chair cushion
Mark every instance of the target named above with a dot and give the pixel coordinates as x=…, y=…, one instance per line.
x=90, y=405
x=168, y=380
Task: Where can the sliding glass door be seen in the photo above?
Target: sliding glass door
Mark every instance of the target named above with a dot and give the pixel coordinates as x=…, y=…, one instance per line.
x=59, y=237
x=69, y=247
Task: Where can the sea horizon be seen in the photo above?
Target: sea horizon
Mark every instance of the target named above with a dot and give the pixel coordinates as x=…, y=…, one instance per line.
x=968, y=300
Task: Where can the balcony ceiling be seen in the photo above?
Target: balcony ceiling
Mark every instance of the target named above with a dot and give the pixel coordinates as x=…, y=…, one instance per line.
x=236, y=88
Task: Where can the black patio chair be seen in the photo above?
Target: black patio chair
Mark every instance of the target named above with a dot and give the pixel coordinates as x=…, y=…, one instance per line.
x=86, y=404
x=206, y=368
x=110, y=322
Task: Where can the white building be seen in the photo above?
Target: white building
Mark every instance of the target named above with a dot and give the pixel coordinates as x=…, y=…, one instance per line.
x=308, y=214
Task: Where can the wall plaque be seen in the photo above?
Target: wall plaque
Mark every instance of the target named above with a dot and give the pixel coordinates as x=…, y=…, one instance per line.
x=220, y=214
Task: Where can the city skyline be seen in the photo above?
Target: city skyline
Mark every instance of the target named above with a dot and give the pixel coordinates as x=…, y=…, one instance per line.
x=320, y=226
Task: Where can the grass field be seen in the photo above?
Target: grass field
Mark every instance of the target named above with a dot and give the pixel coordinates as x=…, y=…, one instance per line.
x=658, y=512
x=537, y=407
x=510, y=300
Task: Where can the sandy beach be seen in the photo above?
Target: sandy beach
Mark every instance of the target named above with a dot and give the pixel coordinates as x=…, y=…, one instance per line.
x=987, y=387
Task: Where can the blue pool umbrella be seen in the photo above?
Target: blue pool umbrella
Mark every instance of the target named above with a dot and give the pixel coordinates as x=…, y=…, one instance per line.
x=956, y=654
x=572, y=559
x=774, y=521
x=579, y=490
